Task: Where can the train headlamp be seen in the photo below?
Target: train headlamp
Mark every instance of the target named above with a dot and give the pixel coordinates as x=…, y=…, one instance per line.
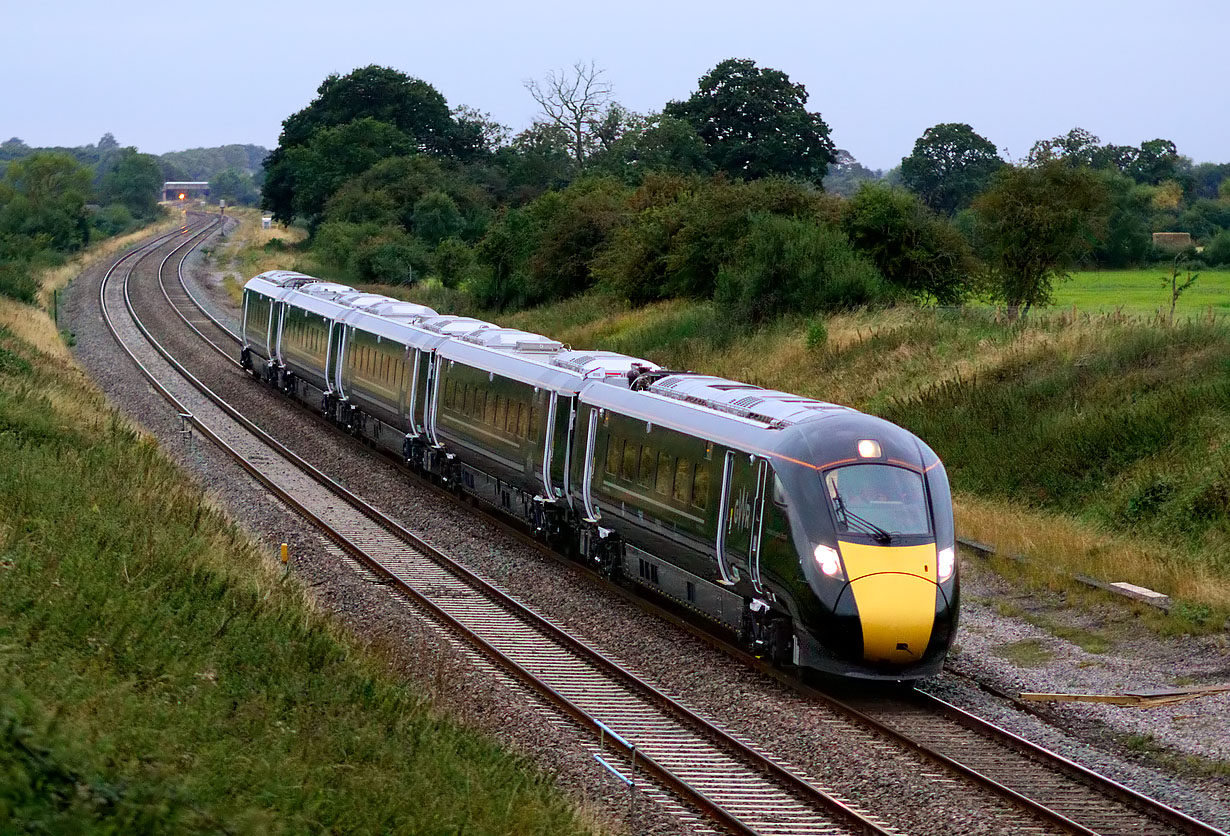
x=828, y=560
x=869, y=449
x=946, y=562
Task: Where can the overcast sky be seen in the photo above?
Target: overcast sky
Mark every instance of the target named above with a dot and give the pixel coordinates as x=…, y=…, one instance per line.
x=167, y=76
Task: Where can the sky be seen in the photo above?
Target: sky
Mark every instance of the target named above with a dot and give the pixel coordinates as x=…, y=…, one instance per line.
x=168, y=76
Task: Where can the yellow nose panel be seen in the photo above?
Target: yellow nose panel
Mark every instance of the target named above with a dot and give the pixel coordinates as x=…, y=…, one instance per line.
x=894, y=590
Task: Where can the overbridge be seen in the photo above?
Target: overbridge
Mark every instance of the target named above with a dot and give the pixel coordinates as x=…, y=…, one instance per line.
x=184, y=189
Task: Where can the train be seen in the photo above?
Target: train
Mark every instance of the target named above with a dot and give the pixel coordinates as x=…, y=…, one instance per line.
x=820, y=536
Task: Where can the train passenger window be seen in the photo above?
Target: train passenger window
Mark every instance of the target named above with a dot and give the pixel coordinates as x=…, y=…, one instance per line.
x=523, y=420
x=666, y=470
x=700, y=485
x=467, y=399
x=501, y=411
x=683, y=480
x=514, y=411
x=614, y=454
x=489, y=409
x=632, y=457
x=534, y=424
x=480, y=403
x=647, y=461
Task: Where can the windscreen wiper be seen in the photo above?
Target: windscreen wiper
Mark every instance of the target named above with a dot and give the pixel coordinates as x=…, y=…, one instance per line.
x=846, y=516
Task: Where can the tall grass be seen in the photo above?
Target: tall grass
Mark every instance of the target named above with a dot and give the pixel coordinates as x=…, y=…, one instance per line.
x=157, y=675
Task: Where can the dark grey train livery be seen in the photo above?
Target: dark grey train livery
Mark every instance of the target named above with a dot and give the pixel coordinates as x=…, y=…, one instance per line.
x=822, y=535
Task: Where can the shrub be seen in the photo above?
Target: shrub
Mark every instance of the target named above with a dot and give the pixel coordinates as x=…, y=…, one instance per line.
x=390, y=258
x=113, y=220
x=453, y=261
x=17, y=281
x=788, y=265
x=1217, y=253
x=914, y=248
x=817, y=335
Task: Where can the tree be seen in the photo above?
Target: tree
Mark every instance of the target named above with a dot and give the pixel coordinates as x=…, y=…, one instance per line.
x=235, y=187
x=412, y=107
x=755, y=123
x=1033, y=223
x=42, y=203
x=1157, y=161
x=574, y=101
x=478, y=130
x=1077, y=147
x=914, y=248
x=334, y=155
x=791, y=265
x=847, y=174
x=133, y=180
x=949, y=165
x=537, y=159
x=436, y=218
x=662, y=144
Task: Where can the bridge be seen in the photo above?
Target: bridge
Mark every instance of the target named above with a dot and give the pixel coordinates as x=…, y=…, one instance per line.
x=184, y=189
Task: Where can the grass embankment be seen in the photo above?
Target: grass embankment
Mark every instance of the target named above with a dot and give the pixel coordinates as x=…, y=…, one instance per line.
x=156, y=674
x=247, y=250
x=1093, y=444
x=1145, y=293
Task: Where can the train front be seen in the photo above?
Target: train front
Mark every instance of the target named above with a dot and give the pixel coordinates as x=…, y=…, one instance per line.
x=870, y=514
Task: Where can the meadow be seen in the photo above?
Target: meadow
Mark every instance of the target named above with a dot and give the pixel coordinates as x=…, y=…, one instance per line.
x=1145, y=293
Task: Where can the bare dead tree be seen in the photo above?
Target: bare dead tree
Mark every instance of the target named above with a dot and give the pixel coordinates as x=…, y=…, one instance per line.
x=574, y=100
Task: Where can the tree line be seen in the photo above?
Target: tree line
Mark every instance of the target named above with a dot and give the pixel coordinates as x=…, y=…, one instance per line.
x=721, y=195
x=54, y=202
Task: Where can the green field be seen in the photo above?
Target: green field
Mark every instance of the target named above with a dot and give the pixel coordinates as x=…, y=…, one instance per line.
x=1143, y=293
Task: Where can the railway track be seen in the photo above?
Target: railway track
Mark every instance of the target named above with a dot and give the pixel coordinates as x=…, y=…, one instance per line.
x=645, y=731
x=1045, y=785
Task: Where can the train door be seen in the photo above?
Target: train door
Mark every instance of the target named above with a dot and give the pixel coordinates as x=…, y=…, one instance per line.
x=333, y=355
x=744, y=478
x=546, y=446
x=561, y=450
x=413, y=392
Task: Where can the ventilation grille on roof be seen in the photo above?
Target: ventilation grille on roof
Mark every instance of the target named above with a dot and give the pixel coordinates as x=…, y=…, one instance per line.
x=730, y=409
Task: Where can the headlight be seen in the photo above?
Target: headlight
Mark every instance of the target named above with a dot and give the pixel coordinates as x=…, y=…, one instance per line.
x=946, y=562
x=828, y=560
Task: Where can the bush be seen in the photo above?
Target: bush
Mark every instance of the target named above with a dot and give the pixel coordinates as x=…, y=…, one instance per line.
x=390, y=258
x=17, y=281
x=788, y=265
x=1217, y=253
x=914, y=248
x=453, y=261
x=113, y=220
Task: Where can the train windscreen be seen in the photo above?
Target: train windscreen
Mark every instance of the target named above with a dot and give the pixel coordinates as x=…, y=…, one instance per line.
x=878, y=500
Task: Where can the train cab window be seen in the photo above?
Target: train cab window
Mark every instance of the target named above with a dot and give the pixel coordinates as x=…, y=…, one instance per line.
x=700, y=485
x=683, y=480
x=779, y=491
x=632, y=457
x=614, y=454
x=666, y=470
x=647, y=461
x=501, y=411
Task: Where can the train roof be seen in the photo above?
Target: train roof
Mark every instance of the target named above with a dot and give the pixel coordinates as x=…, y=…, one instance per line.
x=772, y=408
x=538, y=360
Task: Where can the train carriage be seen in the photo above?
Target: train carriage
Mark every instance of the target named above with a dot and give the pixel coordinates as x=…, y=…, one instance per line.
x=823, y=536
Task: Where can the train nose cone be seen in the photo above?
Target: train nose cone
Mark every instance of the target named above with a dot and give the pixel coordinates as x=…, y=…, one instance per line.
x=897, y=613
